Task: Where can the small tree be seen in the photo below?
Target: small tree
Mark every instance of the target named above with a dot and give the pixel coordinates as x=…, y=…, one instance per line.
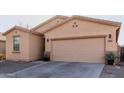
x=110, y=58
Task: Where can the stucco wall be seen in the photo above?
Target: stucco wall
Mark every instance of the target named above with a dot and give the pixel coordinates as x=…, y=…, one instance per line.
x=36, y=47
x=24, y=46
x=84, y=28
x=49, y=25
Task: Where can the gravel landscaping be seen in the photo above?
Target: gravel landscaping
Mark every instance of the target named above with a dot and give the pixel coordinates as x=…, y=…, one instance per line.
x=113, y=71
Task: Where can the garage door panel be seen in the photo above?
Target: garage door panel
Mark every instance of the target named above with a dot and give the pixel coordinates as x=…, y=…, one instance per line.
x=78, y=50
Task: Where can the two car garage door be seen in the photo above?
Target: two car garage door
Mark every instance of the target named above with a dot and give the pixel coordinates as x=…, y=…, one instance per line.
x=78, y=50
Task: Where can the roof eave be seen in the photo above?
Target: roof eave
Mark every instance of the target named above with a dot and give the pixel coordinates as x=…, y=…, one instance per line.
x=106, y=22
x=101, y=21
x=49, y=20
x=18, y=28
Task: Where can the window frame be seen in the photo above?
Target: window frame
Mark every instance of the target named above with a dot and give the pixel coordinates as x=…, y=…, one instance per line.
x=15, y=45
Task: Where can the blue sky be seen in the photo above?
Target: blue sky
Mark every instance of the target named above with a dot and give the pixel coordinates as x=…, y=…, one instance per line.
x=7, y=21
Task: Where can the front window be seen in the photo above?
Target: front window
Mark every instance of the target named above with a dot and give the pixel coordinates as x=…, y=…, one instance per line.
x=16, y=43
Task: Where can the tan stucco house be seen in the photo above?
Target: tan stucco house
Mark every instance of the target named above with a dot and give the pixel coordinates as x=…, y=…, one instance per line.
x=69, y=39
x=2, y=43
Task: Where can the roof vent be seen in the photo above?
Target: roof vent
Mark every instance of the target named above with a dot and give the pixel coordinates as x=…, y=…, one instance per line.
x=75, y=25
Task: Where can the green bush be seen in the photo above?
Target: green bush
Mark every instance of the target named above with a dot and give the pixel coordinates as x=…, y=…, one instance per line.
x=110, y=56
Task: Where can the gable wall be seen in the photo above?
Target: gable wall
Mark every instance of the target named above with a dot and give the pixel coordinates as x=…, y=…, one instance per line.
x=84, y=28
x=49, y=25
x=24, y=46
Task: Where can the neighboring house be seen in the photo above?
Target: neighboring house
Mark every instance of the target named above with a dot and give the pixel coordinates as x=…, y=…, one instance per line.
x=69, y=39
x=2, y=43
x=122, y=53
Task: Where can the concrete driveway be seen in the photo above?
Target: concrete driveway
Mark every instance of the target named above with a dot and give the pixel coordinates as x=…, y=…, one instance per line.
x=60, y=70
x=12, y=66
